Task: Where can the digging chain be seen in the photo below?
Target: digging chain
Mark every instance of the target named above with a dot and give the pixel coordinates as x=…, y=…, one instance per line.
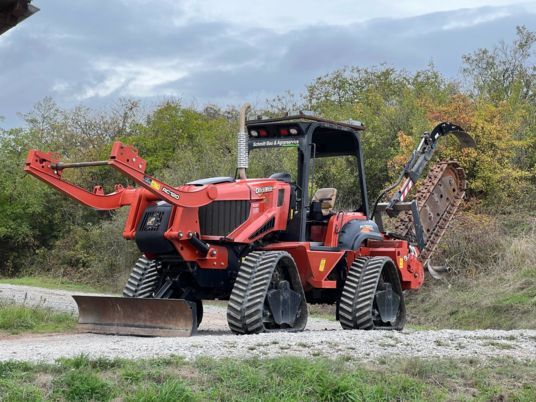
x=425, y=199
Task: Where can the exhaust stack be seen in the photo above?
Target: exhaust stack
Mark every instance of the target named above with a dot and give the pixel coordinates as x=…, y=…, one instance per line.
x=242, y=154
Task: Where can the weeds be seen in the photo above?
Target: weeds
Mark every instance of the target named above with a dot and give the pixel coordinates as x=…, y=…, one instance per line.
x=324, y=311
x=286, y=378
x=50, y=283
x=500, y=345
x=83, y=385
x=493, y=278
x=16, y=319
x=169, y=391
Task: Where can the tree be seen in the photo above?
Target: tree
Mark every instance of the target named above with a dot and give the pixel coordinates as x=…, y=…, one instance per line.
x=505, y=71
x=387, y=101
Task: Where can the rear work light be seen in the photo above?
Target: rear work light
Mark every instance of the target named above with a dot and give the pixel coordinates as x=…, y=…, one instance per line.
x=253, y=133
x=293, y=131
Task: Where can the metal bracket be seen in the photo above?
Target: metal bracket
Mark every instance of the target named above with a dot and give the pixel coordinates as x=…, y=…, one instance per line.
x=419, y=233
x=379, y=220
x=399, y=207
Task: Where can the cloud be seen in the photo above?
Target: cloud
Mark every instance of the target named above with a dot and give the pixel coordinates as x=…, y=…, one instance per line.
x=473, y=18
x=284, y=15
x=139, y=78
x=94, y=52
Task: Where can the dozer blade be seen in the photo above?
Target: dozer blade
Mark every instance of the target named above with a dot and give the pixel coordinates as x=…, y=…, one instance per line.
x=135, y=316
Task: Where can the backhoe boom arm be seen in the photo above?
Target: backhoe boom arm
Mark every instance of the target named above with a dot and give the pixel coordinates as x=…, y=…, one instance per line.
x=46, y=166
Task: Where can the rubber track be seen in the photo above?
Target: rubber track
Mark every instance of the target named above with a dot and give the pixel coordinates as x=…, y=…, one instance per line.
x=142, y=280
x=245, y=307
x=355, y=307
x=404, y=223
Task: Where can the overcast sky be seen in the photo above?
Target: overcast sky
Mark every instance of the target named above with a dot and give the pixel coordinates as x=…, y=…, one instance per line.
x=228, y=52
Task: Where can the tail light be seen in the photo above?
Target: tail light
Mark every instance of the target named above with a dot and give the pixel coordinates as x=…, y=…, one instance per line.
x=274, y=132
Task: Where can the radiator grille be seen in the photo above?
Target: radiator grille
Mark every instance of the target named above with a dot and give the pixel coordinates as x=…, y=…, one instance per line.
x=222, y=217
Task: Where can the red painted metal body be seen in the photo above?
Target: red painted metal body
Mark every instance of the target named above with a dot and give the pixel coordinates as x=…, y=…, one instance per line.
x=268, y=198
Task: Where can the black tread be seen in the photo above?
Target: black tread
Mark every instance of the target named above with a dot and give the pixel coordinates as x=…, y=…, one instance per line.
x=244, y=310
x=245, y=307
x=349, y=293
x=142, y=280
x=355, y=308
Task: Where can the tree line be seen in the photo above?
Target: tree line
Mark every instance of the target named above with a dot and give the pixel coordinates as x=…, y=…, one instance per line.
x=494, y=99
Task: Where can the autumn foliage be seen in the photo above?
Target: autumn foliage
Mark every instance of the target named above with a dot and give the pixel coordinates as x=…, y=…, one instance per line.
x=41, y=229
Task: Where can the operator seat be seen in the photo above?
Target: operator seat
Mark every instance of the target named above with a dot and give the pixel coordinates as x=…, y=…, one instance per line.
x=326, y=197
x=322, y=204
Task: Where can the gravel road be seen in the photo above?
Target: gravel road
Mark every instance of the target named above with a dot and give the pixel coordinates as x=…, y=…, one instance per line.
x=321, y=338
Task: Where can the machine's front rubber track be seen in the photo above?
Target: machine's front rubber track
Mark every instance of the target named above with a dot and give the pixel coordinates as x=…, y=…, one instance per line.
x=245, y=308
x=142, y=280
x=355, y=308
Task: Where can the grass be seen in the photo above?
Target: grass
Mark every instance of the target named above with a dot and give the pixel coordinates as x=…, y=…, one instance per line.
x=493, y=283
x=280, y=379
x=50, y=283
x=324, y=311
x=16, y=319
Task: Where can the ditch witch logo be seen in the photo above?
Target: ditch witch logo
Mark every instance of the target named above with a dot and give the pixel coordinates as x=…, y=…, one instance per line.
x=261, y=190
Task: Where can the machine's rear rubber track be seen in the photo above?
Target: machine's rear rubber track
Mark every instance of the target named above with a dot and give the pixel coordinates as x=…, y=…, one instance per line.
x=349, y=295
x=245, y=308
x=355, y=308
x=404, y=224
x=142, y=280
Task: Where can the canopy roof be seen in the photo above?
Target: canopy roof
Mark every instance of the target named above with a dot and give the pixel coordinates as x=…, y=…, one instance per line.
x=13, y=12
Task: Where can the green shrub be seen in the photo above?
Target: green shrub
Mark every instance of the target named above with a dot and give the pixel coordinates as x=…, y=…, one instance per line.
x=83, y=385
x=169, y=391
x=16, y=319
x=12, y=391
